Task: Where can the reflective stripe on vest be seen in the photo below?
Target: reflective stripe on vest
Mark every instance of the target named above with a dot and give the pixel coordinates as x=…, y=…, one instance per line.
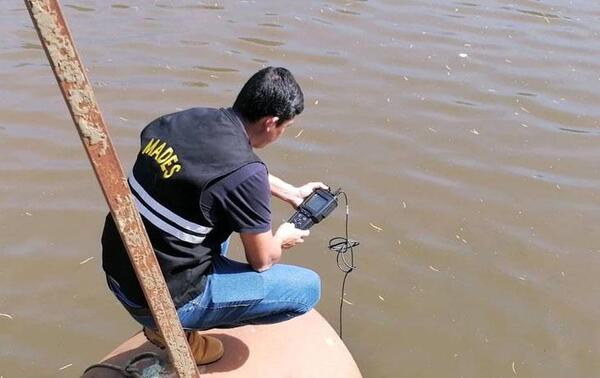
x=156, y=214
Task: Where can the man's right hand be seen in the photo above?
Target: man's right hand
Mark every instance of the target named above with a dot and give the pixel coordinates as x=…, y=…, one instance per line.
x=264, y=249
x=288, y=235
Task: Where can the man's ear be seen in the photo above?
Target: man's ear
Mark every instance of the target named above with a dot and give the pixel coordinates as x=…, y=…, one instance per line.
x=271, y=122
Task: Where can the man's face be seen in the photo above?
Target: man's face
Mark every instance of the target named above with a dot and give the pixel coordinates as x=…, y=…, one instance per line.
x=272, y=131
x=279, y=130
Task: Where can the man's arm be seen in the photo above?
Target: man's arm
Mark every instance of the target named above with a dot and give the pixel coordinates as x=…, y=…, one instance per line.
x=264, y=249
x=291, y=194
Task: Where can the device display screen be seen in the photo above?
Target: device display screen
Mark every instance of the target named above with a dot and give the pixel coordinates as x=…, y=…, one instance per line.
x=316, y=203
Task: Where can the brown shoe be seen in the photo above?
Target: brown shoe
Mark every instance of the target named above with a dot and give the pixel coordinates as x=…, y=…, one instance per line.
x=205, y=349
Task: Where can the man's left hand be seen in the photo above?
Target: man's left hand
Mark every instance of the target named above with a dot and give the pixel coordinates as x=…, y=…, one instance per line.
x=304, y=191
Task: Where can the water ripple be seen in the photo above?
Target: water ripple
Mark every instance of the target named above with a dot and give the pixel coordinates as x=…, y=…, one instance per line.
x=261, y=41
x=80, y=8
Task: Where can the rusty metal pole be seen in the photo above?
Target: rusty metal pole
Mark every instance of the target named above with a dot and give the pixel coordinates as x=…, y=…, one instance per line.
x=79, y=96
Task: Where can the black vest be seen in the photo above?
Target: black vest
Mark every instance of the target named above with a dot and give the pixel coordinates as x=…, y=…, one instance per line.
x=180, y=154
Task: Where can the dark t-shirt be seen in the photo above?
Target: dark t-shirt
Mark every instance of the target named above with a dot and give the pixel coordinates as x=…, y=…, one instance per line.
x=242, y=200
x=238, y=202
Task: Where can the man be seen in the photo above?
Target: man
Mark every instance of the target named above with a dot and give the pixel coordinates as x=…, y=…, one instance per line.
x=195, y=181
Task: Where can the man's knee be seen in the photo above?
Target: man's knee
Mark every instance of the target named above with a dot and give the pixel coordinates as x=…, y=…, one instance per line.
x=311, y=289
x=314, y=288
x=302, y=286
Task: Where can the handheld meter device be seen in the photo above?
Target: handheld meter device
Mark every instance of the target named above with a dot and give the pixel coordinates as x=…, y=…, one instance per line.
x=319, y=204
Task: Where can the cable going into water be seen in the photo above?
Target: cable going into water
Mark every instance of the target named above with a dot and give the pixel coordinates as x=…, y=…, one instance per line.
x=342, y=245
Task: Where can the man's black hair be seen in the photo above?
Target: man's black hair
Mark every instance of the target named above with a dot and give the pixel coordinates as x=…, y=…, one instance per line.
x=272, y=91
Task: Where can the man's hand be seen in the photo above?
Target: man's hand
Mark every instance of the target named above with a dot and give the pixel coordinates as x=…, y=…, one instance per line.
x=304, y=191
x=288, y=235
x=264, y=249
x=291, y=194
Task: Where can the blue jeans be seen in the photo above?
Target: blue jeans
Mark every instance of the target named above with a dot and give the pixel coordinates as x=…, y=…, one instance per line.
x=236, y=295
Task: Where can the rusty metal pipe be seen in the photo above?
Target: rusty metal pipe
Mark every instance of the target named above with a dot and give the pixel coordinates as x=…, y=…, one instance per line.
x=79, y=96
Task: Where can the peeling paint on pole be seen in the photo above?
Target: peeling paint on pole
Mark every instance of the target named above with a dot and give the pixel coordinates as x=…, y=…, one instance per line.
x=79, y=96
x=69, y=72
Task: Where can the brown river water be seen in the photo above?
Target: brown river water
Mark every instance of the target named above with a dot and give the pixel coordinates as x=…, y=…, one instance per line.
x=466, y=134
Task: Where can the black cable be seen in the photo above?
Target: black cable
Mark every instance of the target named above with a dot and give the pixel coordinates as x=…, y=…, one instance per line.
x=341, y=245
x=130, y=370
